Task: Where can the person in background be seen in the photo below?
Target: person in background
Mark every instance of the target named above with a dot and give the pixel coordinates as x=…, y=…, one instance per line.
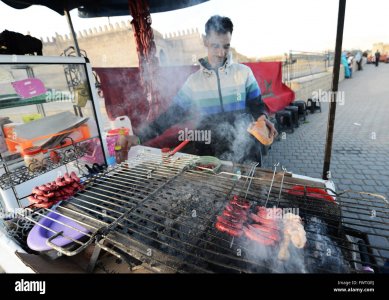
x=345, y=65
x=358, y=59
x=350, y=59
x=377, y=57
x=222, y=98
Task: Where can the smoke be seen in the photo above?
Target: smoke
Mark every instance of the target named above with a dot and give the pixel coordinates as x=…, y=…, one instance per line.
x=237, y=142
x=269, y=256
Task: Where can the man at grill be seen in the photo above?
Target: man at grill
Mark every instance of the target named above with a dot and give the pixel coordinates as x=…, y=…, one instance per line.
x=222, y=98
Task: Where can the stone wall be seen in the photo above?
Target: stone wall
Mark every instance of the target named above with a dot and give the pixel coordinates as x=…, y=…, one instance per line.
x=108, y=46
x=304, y=87
x=114, y=45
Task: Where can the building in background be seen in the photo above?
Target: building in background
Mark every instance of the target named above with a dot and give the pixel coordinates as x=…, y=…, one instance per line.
x=114, y=46
x=381, y=47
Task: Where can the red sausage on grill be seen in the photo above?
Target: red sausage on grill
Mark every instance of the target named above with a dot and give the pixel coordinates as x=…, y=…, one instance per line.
x=32, y=199
x=270, y=232
x=236, y=211
x=43, y=204
x=264, y=221
x=240, y=203
x=254, y=236
x=220, y=219
x=43, y=188
x=42, y=198
x=74, y=176
x=59, y=181
x=67, y=178
x=231, y=217
x=231, y=231
x=37, y=191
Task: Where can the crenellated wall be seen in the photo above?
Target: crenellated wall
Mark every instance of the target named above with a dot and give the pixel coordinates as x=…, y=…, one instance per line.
x=114, y=45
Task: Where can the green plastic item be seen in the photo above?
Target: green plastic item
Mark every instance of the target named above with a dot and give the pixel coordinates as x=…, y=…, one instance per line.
x=208, y=160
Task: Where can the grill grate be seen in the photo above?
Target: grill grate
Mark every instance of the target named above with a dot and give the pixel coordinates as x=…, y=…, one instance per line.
x=163, y=213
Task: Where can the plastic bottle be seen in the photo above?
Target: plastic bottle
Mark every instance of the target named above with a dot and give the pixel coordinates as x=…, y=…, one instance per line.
x=123, y=143
x=118, y=154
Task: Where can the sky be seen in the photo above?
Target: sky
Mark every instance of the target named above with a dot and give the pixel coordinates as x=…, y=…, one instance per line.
x=261, y=28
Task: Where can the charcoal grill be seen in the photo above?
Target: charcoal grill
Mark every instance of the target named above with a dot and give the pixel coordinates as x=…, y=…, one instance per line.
x=163, y=213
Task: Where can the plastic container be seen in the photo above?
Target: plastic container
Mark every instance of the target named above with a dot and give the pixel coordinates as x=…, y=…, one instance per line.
x=122, y=122
x=33, y=158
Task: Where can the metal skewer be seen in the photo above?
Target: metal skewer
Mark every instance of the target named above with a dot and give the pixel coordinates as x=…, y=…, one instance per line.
x=251, y=175
x=282, y=182
x=272, y=181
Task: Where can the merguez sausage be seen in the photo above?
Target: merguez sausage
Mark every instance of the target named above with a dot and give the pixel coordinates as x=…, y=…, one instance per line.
x=37, y=191
x=254, y=236
x=231, y=217
x=231, y=231
x=241, y=204
x=74, y=176
x=239, y=213
x=220, y=219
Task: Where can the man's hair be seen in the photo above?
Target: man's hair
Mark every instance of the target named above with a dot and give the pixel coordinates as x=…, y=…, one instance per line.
x=220, y=25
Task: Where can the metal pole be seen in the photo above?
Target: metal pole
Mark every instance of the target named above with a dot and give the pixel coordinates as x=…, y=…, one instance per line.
x=335, y=83
x=67, y=14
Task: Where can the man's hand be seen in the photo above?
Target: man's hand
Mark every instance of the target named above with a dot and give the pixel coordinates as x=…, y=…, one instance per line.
x=272, y=130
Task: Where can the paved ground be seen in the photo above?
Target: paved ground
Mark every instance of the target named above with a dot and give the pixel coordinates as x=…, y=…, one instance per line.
x=360, y=156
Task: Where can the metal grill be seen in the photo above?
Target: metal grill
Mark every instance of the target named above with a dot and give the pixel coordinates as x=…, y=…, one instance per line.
x=163, y=213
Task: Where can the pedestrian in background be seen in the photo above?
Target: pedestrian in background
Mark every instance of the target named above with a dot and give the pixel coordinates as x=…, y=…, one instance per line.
x=358, y=59
x=377, y=58
x=350, y=59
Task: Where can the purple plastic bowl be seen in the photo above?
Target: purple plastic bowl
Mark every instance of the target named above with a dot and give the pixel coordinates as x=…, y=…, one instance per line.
x=38, y=235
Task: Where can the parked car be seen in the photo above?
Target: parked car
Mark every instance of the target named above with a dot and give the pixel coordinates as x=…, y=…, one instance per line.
x=384, y=58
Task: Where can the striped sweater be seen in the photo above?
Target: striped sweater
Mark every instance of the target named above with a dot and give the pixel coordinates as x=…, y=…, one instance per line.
x=211, y=94
x=226, y=90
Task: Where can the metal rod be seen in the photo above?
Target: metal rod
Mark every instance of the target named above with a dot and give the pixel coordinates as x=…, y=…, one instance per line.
x=335, y=83
x=73, y=33
x=251, y=174
x=282, y=182
x=272, y=181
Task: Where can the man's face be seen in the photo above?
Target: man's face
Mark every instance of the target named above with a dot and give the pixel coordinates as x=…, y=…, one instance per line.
x=218, y=46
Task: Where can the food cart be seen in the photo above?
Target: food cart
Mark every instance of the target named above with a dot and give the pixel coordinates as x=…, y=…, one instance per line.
x=169, y=214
